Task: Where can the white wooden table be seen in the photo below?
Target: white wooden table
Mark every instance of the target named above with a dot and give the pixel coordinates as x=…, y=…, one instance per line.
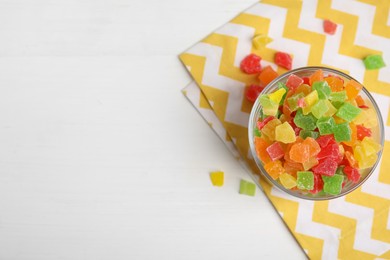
x=101, y=156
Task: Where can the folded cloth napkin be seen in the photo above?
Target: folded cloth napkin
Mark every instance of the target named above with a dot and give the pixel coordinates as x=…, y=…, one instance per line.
x=356, y=226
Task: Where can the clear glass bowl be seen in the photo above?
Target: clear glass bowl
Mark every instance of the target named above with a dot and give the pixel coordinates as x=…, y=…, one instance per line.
x=377, y=133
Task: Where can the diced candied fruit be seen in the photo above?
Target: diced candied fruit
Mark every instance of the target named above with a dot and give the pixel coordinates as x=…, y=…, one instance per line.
x=267, y=75
x=251, y=64
x=329, y=27
x=283, y=59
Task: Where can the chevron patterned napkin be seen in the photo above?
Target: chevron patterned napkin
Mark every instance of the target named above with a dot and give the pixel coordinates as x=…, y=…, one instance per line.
x=356, y=226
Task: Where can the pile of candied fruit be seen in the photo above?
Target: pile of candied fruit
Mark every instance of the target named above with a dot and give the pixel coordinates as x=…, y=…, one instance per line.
x=314, y=133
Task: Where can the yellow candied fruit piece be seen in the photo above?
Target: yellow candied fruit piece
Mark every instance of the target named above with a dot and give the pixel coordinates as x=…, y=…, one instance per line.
x=260, y=41
x=285, y=133
x=338, y=120
x=277, y=95
x=361, y=118
x=269, y=128
x=307, y=165
x=371, y=119
x=370, y=146
x=310, y=100
x=287, y=180
x=217, y=178
x=331, y=109
x=364, y=161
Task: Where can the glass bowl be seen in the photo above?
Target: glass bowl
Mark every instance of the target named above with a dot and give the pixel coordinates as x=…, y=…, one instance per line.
x=377, y=134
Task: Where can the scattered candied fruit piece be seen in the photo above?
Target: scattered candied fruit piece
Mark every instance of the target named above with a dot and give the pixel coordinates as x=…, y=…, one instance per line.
x=252, y=92
x=283, y=59
x=247, y=188
x=260, y=41
x=267, y=75
x=374, y=62
x=217, y=178
x=251, y=64
x=329, y=27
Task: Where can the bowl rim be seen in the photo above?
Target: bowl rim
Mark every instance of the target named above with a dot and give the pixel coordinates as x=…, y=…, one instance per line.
x=259, y=163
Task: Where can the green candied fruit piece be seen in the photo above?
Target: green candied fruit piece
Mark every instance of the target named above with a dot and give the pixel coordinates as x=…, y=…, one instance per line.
x=247, y=188
x=270, y=107
x=282, y=85
x=333, y=184
x=337, y=104
x=340, y=96
x=293, y=101
x=307, y=122
x=307, y=133
x=305, y=180
x=373, y=62
x=342, y=132
x=348, y=112
x=257, y=132
x=322, y=88
x=325, y=125
x=319, y=108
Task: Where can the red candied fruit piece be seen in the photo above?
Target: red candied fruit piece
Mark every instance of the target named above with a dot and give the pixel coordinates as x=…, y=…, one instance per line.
x=261, y=124
x=326, y=167
x=352, y=174
x=252, y=92
x=293, y=82
x=330, y=151
x=329, y=27
x=324, y=140
x=275, y=151
x=362, y=132
x=318, y=184
x=306, y=80
x=283, y=59
x=251, y=64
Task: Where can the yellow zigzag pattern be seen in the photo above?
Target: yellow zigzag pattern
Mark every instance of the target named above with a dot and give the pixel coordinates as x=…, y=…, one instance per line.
x=381, y=212
x=292, y=31
x=289, y=209
x=348, y=48
x=380, y=27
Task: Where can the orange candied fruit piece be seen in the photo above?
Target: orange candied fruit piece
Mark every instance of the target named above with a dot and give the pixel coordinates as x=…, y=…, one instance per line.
x=353, y=88
x=360, y=101
x=261, y=145
x=335, y=83
x=274, y=168
x=303, y=88
x=267, y=75
x=316, y=76
x=351, y=159
x=292, y=168
x=299, y=152
x=314, y=147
